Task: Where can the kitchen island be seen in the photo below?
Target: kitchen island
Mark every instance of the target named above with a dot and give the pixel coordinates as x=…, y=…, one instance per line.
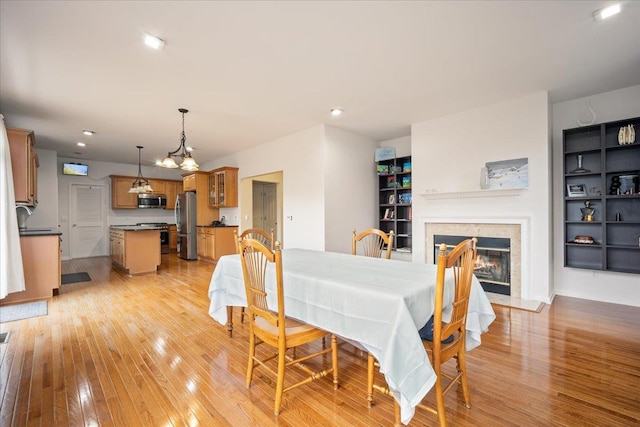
x=135, y=249
x=40, y=250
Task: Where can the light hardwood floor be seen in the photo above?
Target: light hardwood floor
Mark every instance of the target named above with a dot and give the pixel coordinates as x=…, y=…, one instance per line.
x=129, y=351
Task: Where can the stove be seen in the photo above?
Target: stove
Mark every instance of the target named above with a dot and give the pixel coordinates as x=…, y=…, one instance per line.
x=164, y=234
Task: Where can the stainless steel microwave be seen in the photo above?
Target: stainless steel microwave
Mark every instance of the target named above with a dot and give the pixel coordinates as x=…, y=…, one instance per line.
x=152, y=201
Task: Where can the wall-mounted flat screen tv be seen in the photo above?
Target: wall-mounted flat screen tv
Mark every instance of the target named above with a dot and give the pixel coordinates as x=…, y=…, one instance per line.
x=75, y=169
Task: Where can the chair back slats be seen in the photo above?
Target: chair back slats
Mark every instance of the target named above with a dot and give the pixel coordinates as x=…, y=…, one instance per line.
x=373, y=243
x=461, y=262
x=267, y=239
x=256, y=257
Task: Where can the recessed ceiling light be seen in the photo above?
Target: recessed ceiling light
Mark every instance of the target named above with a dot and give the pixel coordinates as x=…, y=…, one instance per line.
x=153, y=42
x=88, y=132
x=81, y=144
x=336, y=111
x=607, y=12
x=189, y=149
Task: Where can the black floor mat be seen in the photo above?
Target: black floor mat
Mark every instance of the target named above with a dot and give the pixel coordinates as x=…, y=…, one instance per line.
x=75, y=277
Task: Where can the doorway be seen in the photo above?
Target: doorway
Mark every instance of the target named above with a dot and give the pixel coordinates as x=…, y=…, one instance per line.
x=87, y=217
x=265, y=205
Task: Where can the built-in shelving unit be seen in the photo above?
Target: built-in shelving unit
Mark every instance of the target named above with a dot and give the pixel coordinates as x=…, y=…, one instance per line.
x=615, y=223
x=394, y=200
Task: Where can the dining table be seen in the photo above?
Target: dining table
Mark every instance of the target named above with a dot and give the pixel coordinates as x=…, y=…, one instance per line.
x=378, y=304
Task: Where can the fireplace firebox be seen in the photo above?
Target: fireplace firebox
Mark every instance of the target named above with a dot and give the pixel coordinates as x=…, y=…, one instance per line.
x=493, y=261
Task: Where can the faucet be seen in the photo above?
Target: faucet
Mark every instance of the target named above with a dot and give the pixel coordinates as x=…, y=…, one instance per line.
x=29, y=211
x=22, y=219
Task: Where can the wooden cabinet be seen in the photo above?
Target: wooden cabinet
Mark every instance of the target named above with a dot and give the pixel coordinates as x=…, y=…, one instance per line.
x=41, y=264
x=122, y=199
x=199, y=182
x=158, y=186
x=172, y=188
x=602, y=198
x=189, y=182
x=173, y=238
x=223, y=187
x=214, y=242
x=135, y=252
x=394, y=201
x=24, y=164
x=120, y=196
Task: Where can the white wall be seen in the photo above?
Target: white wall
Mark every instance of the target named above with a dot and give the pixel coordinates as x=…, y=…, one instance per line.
x=350, y=187
x=620, y=288
x=300, y=158
x=99, y=173
x=46, y=213
x=447, y=154
x=402, y=145
x=323, y=169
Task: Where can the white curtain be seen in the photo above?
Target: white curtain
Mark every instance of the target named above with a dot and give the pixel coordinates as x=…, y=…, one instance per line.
x=11, y=274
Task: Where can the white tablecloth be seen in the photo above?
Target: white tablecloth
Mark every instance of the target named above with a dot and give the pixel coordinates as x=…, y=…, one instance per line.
x=378, y=303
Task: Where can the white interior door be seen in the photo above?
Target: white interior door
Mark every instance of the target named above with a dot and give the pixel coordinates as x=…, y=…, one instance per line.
x=87, y=215
x=265, y=207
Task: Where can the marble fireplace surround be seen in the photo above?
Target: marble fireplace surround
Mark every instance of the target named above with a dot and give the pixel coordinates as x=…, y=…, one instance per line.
x=514, y=228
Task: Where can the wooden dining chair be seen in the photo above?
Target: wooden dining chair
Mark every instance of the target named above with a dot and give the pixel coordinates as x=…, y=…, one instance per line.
x=272, y=327
x=449, y=338
x=373, y=243
x=263, y=237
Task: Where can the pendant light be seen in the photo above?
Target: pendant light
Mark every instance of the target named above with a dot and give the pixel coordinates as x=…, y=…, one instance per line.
x=188, y=162
x=141, y=184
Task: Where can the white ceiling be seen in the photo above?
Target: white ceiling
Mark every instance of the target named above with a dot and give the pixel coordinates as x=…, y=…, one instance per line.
x=250, y=72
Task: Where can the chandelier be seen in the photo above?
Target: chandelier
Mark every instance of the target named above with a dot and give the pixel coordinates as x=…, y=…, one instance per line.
x=141, y=184
x=188, y=163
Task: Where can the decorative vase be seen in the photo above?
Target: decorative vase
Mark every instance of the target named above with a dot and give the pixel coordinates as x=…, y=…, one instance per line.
x=626, y=135
x=580, y=169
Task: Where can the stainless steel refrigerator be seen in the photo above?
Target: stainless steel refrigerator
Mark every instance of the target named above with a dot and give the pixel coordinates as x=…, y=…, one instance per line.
x=186, y=224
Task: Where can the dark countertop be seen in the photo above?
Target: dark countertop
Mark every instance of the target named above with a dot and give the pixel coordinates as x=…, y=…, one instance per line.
x=134, y=228
x=31, y=232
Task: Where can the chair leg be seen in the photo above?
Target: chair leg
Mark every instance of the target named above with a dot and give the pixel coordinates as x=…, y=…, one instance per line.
x=230, y=320
x=252, y=353
x=396, y=414
x=334, y=360
x=462, y=367
x=370, y=372
x=242, y=315
x=280, y=379
x=442, y=416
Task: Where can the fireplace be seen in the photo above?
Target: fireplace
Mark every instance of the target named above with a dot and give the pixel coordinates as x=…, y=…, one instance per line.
x=493, y=261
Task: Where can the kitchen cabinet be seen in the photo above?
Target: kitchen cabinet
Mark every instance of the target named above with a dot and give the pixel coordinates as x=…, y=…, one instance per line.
x=199, y=182
x=223, y=187
x=158, y=186
x=171, y=189
x=122, y=199
x=215, y=242
x=41, y=264
x=135, y=252
x=24, y=165
x=173, y=237
x=120, y=196
x=602, y=198
x=189, y=182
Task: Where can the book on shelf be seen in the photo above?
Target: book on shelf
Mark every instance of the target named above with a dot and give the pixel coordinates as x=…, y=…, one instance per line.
x=391, y=181
x=406, y=181
x=406, y=167
x=382, y=169
x=386, y=214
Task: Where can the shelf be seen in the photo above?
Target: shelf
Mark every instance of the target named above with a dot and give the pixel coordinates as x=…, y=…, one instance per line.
x=616, y=246
x=390, y=189
x=475, y=193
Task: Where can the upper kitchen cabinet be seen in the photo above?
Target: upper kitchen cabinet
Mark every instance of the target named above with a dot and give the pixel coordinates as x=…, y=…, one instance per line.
x=120, y=196
x=223, y=187
x=122, y=199
x=171, y=190
x=199, y=182
x=24, y=163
